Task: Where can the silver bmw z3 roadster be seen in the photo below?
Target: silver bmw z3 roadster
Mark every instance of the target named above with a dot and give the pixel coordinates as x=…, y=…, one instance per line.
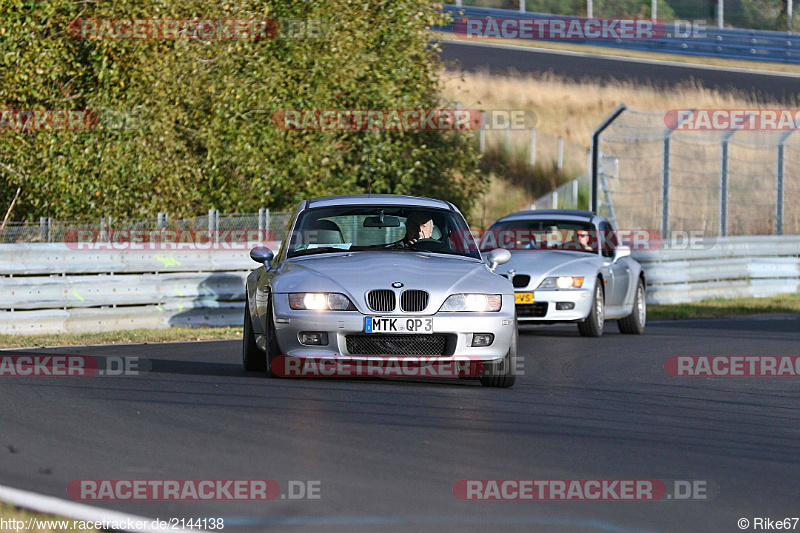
x=571, y=266
x=376, y=278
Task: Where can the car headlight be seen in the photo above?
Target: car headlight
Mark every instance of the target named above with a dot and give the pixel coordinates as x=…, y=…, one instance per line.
x=320, y=301
x=475, y=303
x=561, y=282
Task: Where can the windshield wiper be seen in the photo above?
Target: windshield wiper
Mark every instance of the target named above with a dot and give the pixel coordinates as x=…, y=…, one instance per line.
x=320, y=250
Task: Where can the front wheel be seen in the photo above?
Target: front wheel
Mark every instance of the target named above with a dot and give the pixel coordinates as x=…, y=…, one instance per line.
x=253, y=359
x=592, y=326
x=633, y=324
x=502, y=374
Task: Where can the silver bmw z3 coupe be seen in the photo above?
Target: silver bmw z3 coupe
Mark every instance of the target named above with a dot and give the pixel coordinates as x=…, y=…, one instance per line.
x=376, y=278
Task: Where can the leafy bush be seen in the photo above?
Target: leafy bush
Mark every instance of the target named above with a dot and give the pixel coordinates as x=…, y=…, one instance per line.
x=197, y=113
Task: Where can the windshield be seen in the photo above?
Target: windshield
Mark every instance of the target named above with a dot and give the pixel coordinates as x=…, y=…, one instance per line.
x=381, y=228
x=569, y=235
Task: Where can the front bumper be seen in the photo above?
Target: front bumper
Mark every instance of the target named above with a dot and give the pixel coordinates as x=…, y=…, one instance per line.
x=544, y=308
x=338, y=325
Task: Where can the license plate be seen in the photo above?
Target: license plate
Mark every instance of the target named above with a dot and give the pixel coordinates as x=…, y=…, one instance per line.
x=523, y=298
x=386, y=324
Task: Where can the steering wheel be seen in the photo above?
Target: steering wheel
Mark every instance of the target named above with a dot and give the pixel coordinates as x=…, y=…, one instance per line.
x=427, y=245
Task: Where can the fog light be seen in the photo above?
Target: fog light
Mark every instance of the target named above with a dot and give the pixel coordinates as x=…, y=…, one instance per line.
x=482, y=339
x=313, y=337
x=565, y=306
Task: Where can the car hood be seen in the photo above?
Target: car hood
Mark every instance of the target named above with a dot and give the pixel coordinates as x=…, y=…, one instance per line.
x=539, y=264
x=355, y=273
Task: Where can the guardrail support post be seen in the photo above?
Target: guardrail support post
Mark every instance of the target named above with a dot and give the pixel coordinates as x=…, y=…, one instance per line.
x=589, y=9
x=720, y=13
x=654, y=10
x=522, y=6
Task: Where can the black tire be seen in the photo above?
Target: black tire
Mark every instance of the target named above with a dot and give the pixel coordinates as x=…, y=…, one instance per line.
x=253, y=359
x=504, y=373
x=634, y=323
x=592, y=325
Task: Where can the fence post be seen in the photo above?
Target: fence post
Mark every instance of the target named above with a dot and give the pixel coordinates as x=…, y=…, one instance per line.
x=720, y=13
x=575, y=193
x=555, y=199
x=522, y=6
x=482, y=132
x=723, y=187
x=589, y=9
x=779, y=182
x=665, y=185
x=560, y=153
x=595, y=201
x=44, y=229
x=654, y=10
x=533, y=147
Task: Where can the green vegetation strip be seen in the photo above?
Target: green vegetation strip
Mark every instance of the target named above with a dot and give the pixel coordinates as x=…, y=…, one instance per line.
x=719, y=307
x=120, y=337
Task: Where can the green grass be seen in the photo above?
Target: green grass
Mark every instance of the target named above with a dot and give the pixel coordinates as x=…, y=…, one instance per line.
x=9, y=512
x=719, y=307
x=121, y=337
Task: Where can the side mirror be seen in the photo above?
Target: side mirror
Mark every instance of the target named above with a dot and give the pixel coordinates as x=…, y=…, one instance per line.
x=261, y=254
x=621, y=251
x=498, y=256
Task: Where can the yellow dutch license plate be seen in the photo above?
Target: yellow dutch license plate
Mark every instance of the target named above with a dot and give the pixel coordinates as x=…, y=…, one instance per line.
x=523, y=298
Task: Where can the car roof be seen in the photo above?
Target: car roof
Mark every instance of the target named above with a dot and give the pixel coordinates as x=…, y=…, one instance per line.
x=551, y=212
x=379, y=199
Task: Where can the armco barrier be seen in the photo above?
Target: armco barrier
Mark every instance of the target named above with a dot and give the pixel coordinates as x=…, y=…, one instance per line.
x=783, y=47
x=725, y=267
x=48, y=288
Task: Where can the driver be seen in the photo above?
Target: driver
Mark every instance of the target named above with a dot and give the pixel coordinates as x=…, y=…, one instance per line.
x=418, y=226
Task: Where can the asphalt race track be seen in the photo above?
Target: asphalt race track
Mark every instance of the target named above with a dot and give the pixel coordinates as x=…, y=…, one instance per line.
x=388, y=452
x=502, y=59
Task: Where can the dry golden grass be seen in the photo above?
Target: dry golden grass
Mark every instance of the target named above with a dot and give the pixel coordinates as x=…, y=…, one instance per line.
x=571, y=109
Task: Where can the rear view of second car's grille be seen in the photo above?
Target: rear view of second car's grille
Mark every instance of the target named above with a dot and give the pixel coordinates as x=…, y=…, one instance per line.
x=381, y=300
x=413, y=301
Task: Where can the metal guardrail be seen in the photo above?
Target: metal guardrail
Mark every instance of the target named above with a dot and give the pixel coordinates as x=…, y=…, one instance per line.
x=783, y=47
x=49, y=288
x=726, y=267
